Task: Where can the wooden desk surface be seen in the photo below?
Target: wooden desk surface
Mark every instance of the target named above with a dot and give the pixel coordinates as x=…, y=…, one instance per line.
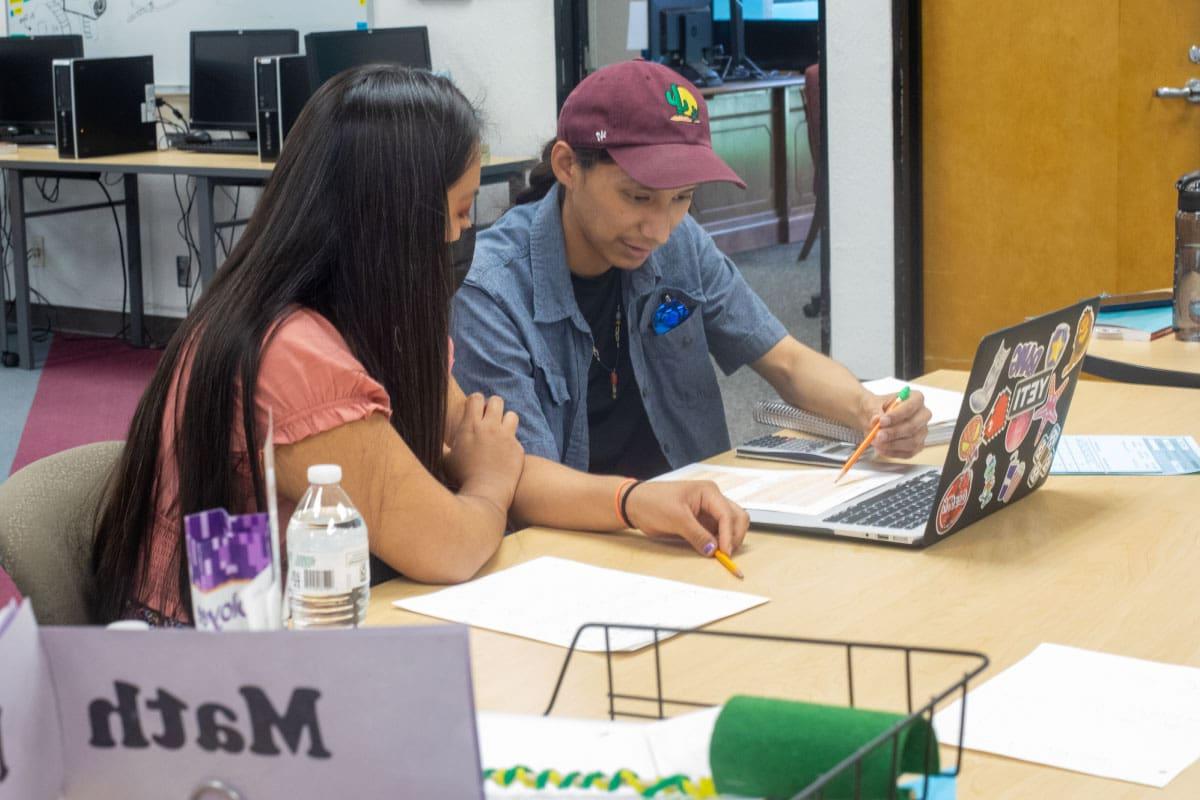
x=183, y=162
x=1166, y=352
x=1102, y=563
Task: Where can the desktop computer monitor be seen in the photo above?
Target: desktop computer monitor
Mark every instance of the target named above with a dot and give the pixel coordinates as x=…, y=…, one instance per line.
x=331, y=52
x=681, y=36
x=222, y=88
x=27, y=79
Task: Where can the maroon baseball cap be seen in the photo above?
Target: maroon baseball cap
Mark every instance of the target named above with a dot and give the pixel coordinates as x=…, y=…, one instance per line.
x=652, y=121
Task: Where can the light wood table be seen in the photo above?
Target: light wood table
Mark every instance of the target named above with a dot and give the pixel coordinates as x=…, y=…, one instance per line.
x=1104, y=563
x=209, y=170
x=1165, y=353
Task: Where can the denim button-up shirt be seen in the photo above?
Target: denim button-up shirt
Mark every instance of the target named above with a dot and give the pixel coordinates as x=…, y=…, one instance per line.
x=518, y=333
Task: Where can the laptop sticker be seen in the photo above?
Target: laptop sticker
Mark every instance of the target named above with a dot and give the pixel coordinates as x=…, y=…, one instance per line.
x=998, y=416
x=1017, y=428
x=1083, y=336
x=1012, y=478
x=980, y=397
x=1043, y=456
x=1026, y=360
x=968, y=442
x=989, y=480
x=954, y=502
x=1048, y=413
x=1057, y=346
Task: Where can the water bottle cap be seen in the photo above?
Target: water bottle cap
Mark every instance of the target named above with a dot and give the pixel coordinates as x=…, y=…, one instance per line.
x=324, y=474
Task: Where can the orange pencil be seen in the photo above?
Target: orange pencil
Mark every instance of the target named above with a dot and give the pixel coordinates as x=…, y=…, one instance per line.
x=727, y=563
x=862, y=448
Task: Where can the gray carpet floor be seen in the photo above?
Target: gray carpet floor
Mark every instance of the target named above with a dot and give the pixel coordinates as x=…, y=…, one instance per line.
x=785, y=285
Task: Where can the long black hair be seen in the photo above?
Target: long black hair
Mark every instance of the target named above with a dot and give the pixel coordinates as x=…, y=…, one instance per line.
x=541, y=177
x=352, y=225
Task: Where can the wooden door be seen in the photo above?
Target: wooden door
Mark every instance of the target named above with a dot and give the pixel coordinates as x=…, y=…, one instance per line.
x=1049, y=164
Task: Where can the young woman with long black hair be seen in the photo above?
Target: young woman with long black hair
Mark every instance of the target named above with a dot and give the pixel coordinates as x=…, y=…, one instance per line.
x=332, y=312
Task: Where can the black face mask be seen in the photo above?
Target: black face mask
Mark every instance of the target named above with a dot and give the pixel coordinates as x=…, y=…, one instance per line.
x=461, y=253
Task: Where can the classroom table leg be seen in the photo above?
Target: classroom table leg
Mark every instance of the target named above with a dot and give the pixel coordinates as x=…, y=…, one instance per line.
x=208, y=230
x=16, y=219
x=133, y=248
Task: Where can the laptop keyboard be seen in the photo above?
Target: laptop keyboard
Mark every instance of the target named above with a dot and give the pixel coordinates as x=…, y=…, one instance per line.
x=904, y=506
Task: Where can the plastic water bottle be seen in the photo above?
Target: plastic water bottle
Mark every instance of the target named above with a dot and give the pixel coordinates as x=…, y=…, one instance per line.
x=329, y=571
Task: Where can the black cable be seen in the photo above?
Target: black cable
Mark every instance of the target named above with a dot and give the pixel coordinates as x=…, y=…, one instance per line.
x=236, y=199
x=124, y=267
x=184, y=228
x=52, y=195
x=160, y=102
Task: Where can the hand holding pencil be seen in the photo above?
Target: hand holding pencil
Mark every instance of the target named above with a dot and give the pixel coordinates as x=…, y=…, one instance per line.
x=874, y=432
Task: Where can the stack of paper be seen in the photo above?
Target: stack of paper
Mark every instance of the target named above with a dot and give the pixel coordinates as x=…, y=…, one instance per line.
x=942, y=403
x=549, y=598
x=1085, y=711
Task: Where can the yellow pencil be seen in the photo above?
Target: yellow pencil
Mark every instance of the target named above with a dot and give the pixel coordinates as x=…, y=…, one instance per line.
x=727, y=563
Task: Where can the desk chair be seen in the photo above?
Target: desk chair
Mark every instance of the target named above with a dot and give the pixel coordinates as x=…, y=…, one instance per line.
x=47, y=512
x=812, y=116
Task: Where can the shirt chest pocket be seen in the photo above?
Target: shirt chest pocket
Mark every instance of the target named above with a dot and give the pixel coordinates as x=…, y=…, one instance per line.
x=678, y=359
x=553, y=397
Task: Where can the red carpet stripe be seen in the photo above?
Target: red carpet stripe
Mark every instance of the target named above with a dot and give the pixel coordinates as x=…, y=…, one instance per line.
x=88, y=392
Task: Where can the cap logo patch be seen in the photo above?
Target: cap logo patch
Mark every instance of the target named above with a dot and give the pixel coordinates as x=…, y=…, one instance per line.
x=601, y=136
x=684, y=103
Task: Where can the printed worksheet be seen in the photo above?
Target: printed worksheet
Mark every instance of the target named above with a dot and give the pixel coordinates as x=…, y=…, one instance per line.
x=796, y=490
x=1126, y=455
x=548, y=599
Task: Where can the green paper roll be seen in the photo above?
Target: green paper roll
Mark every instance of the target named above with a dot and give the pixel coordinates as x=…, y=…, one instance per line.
x=775, y=748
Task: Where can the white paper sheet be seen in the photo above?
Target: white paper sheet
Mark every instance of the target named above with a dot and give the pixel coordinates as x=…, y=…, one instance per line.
x=548, y=599
x=1126, y=455
x=944, y=404
x=801, y=490
x=1091, y=712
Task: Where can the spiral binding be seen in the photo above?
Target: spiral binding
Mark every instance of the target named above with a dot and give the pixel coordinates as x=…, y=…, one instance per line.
x=672, y=786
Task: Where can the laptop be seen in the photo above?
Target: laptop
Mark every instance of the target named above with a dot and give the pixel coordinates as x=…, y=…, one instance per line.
x=1009, y=425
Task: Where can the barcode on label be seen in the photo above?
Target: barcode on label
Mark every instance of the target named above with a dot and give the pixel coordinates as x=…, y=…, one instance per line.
x=318, y=579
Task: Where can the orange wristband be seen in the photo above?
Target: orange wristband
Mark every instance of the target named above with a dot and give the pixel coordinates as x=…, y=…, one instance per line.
x=617, y=500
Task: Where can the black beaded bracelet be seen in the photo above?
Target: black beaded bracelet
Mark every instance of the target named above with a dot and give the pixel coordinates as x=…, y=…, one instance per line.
x=624, y=500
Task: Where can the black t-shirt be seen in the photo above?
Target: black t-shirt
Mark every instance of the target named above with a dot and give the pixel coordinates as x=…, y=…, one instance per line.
x=620, y=439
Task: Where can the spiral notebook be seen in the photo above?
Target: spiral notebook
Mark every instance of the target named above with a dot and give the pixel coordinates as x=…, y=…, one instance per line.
x=944, y=405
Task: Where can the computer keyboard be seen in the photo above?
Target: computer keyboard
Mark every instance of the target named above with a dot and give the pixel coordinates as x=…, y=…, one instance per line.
x=904, y=506
x=231, y=147
x=29, y=138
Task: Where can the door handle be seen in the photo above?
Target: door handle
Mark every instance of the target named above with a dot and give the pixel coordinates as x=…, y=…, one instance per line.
x=1190, y=92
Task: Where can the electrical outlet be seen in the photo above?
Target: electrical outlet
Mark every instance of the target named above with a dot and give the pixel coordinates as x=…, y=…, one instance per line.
x=183, y=271
x=37, y=252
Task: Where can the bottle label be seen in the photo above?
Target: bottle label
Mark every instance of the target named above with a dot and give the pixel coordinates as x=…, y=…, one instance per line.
x=329, y=573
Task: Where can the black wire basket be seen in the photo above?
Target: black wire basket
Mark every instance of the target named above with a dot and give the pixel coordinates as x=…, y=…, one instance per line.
x=625, y=704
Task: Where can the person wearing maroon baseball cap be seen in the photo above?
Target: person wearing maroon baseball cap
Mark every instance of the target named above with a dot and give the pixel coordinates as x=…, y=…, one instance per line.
x=593, y=307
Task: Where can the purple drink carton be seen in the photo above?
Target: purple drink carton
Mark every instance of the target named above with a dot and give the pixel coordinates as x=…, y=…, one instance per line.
x=229, y=559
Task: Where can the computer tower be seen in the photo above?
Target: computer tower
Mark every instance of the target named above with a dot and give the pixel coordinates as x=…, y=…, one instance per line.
x=281, y=88
x=104, y=106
